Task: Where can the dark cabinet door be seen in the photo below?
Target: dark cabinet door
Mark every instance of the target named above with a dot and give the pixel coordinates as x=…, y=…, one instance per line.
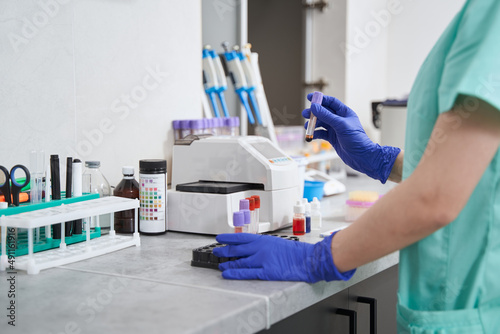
x=318, y=318
x=383, y=288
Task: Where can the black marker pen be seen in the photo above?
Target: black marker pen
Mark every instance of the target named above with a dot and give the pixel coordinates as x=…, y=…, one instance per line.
x=56, y=190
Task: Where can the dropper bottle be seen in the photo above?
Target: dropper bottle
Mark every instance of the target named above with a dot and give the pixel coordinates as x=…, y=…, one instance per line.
x=299, y=220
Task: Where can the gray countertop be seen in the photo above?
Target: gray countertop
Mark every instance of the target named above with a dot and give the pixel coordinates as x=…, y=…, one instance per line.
x=153, y=288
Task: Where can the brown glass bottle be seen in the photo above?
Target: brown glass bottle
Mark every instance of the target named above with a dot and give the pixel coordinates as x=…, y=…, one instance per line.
x=129, y=188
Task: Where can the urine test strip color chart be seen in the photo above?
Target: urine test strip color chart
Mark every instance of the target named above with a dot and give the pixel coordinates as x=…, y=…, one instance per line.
x=153, y=203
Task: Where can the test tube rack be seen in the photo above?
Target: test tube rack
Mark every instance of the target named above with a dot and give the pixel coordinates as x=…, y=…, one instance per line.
x=204, y=257
x=90, y=210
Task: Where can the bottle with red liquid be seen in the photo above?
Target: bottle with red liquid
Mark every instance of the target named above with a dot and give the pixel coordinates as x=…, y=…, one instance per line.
x=299, y=219
x=129, y=188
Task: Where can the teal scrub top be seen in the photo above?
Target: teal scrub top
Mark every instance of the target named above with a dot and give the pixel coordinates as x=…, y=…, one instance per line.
x=449, y=282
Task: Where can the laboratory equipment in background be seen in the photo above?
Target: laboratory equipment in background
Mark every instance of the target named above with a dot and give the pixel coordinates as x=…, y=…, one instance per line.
x=210, y=79
x=128, y=188
x=153, y=196
x=331, y=185
x=299, y=219
x=237, y=76
x=358, y=203
x=390, y=117
x=210, y=175
x=221, y=80
x=224, y=126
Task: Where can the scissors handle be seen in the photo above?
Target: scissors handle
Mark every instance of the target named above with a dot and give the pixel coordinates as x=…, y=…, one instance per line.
x=16, y=187
x=5, y=187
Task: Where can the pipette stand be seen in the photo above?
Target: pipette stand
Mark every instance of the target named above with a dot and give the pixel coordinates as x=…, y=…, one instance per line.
x=34, y=262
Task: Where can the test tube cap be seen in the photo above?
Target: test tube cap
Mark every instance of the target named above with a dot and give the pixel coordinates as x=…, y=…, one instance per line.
x=238, y=218
x=197, y=124
x=257, y=201
x=176, y=124
x=317, y=97
x=252, y=203
x=244, y=204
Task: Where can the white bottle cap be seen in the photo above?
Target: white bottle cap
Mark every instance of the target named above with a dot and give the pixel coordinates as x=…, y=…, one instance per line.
x=308, y=208
x=315, y=204
x=4, y=205
x=128, y=170
x=299, y=207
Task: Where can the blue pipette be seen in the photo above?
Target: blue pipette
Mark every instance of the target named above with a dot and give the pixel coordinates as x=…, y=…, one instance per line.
x=251, y=82
x=238, y=78
x=221, y=80
x=210, y=79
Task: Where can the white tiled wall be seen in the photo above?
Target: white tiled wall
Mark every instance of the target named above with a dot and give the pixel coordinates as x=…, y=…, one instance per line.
x=97, y=79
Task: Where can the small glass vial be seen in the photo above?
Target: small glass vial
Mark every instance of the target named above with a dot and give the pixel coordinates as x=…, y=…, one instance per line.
x=238, y=221
x=299, y=220
x=128, y=188
x=307, y=207
x=94, y=182
x=315, y=214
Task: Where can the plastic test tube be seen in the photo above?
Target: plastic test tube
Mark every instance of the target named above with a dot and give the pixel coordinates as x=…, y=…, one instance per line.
x=176, y=125
x=252, y=211
x=257, y=210
x=197, y=126
x=185, y=129
x=238, y=221
x=317, y=98
x=247, y=216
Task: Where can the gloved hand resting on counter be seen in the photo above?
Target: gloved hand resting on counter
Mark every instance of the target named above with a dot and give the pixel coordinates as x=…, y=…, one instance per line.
x=272, y=258
x=344, y=131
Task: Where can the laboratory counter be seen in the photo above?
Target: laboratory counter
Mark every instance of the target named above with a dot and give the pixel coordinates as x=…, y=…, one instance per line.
x=154, y=289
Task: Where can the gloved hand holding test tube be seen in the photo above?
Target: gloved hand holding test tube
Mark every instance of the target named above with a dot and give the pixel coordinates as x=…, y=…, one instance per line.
x=317, y=98
x=210, y=79
x=221, y=80
x=238, y=77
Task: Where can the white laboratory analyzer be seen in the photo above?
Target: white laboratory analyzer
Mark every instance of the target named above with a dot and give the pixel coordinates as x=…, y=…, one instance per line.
x=210, y=175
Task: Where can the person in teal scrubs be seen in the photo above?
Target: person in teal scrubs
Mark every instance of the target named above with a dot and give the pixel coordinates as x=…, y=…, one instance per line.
x=444, y=216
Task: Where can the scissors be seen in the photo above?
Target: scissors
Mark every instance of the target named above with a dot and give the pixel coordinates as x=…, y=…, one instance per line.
x=13, y=190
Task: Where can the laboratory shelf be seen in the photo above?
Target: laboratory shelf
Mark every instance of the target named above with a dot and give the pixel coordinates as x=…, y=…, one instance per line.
x=89, y=210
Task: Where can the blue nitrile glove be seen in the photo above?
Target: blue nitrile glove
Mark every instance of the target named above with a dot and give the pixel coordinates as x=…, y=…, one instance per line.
x=344, y=131
x=272, y=258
